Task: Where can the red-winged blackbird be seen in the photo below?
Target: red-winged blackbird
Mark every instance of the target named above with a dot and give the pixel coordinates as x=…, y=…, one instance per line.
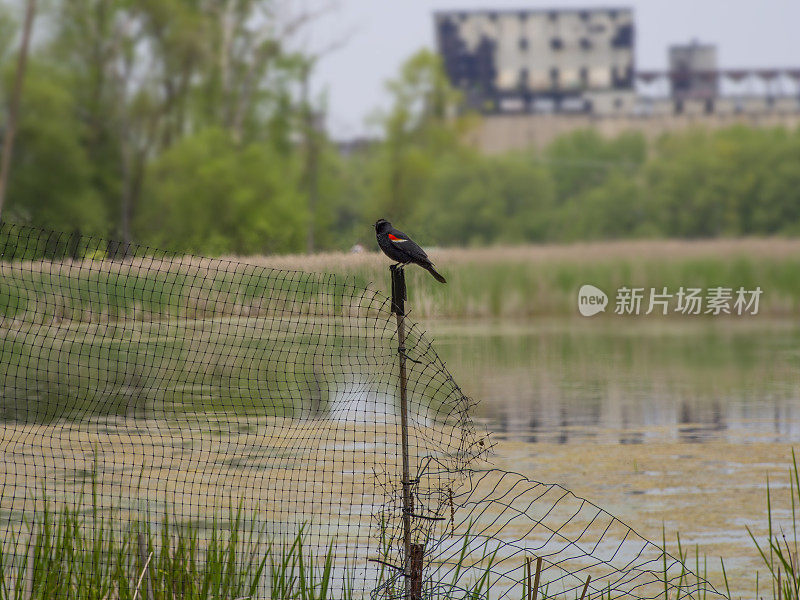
x=398, y=246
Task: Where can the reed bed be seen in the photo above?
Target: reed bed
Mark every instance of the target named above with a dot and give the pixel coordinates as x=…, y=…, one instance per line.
x=487, y=282
x=780, y=552
x=68, y=556
x=543, y=280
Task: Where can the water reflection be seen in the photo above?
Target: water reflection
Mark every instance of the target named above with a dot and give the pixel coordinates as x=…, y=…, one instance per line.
x=694, y=427
x=630, y=382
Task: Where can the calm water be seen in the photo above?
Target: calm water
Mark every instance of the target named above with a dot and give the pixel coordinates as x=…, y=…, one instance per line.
x=633, y=381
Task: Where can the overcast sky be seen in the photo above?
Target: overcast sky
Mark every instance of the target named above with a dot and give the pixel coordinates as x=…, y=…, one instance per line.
x=381, y=34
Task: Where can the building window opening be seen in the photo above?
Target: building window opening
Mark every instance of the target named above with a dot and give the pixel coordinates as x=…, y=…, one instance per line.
x=523, y=78
x=554, y=77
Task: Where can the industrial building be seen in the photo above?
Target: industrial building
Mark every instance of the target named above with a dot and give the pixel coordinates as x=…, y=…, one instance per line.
x=536, y=74
x=540, y=60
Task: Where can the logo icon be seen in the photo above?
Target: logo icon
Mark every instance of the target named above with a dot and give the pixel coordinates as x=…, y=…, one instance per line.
x=591, y=300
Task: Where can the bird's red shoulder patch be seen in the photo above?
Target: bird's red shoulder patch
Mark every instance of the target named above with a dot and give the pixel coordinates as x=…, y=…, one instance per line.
x=394, y=238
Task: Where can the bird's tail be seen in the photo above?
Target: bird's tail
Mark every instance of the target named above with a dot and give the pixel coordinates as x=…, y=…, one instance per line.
x=435, y=274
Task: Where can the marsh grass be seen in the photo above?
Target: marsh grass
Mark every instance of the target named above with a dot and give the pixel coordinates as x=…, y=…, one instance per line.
x=471, y=584
x=85, y=556
x=71, y=560
x=781, y=550
x=543, y=280
x=495, y=282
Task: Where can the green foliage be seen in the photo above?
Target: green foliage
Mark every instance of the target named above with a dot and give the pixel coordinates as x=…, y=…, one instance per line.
x=613, y=209
x=338, y=220
x=475, y=200
x=418, y=135
x=122, y=83
x=781, y=550
x=241, y=199
x=584, y=160
x=51, y=177
x=209, y=146
x=7, y=30
x=738, y=181
x=693, y=184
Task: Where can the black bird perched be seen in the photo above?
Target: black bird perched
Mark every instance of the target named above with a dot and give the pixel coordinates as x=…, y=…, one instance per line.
x=398, y=246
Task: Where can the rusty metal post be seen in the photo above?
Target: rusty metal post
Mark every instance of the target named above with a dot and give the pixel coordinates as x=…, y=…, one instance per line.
x=398, y=308
x=145, y=565
x=417, y=554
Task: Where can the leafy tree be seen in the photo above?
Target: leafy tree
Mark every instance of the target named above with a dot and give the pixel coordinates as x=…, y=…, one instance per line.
x=709, y=184
x=190, y=125
x=8, y=32
x=614, y=209
x=777, y=207
x=420, y=130
x=476, y=200
x=340, y=219
x=584, y=159
x=354, y=206
x=146, y=74
x=208, y=194
x=51, y=176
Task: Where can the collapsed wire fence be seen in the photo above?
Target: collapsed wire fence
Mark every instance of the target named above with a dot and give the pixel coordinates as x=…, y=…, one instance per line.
x=181, y=427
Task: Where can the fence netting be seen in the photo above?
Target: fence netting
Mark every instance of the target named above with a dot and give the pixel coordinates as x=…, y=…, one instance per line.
x=181, y=427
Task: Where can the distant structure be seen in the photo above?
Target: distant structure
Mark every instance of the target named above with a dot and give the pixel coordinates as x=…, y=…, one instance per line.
x=540, y=60
x=693, y=68
x=537, y=74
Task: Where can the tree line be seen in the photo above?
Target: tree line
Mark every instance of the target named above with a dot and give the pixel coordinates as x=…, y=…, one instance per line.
x=188, y=125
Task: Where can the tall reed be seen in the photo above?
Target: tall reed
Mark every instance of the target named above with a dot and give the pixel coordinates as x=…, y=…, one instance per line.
x=780, y=552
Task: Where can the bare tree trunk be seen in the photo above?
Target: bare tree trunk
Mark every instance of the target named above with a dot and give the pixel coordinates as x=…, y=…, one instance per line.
x=127, y=194
x=227, y=25
x=312, y=160
x=13, y=108
x=127, y=151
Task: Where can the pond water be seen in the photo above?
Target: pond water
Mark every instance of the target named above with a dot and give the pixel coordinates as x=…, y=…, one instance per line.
x=630, y=381
x=671, y=425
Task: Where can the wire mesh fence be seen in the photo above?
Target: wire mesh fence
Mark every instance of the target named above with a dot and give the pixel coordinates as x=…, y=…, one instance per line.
x=499, y=523
x=181, y=427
